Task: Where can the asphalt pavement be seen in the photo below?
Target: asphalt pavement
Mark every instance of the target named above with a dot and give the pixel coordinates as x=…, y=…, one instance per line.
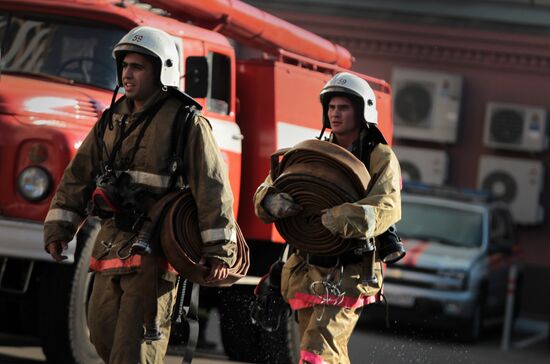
x=405, y=344
x=370, y=343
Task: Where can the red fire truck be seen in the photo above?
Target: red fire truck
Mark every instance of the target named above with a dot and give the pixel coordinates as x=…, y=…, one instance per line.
x=258, y=78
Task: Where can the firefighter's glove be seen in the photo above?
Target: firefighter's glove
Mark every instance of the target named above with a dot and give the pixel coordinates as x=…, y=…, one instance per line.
x=281, y=205
x=349, y=220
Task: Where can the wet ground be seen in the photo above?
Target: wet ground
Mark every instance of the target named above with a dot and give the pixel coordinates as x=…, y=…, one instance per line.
x=370, y=343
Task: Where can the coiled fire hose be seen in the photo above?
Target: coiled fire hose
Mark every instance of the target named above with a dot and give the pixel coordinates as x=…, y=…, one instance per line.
x=318, y=175
x=175, y=216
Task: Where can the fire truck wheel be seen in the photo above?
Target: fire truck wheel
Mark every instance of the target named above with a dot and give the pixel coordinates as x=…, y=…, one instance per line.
x=247, y=342
x=64, y=295
x=240, y=338
x=283, y=345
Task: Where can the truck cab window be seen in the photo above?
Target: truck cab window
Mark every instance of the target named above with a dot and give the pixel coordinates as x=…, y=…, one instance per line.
x=3, y=26
x=210, y=77
x=50, y=48
x=196, y=77
x=218, y=98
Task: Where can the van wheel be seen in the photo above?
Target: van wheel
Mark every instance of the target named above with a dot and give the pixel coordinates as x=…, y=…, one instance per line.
x=471, y=329
x=245, y=341
x=64, y=294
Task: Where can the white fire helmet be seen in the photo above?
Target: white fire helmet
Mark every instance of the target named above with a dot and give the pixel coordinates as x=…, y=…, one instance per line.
x=347, y=84
x=152, y=42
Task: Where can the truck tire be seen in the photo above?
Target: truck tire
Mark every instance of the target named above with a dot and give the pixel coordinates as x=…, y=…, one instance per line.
x=247, y=342
x=64, y=294
x=282, y=346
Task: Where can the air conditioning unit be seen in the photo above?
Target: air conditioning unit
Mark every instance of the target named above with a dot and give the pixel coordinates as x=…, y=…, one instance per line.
x=422, y=165
x=518, y=182
x=426, y=105
x=516, y=127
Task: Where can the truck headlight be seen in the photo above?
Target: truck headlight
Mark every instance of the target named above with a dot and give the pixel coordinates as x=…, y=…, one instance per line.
x=34, y=184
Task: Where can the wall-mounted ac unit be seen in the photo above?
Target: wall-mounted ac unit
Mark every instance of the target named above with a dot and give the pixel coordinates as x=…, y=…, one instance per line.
x=426, y=105
x=422, y=165
x=516, y=127
x=518, y=182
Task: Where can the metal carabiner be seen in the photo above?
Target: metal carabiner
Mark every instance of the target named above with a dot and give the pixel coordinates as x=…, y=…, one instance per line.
x=123, y=246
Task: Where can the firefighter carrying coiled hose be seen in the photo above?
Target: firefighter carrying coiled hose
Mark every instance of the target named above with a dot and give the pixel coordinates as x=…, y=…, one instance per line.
x=335, y=201
x=149, y=143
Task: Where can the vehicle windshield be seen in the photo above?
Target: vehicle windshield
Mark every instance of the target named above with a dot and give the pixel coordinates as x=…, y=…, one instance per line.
x=57, y=50
x=440, y=223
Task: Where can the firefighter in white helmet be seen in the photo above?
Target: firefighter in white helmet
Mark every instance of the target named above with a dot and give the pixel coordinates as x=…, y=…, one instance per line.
x=128, y=161
x=349, y=110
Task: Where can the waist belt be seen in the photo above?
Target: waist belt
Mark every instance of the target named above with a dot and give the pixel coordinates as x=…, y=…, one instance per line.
x=175, y=215
x=318, y=175
x=328, y=261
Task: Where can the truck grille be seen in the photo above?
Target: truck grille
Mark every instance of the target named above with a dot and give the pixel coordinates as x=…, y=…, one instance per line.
x=86, y=109
x=422, y=278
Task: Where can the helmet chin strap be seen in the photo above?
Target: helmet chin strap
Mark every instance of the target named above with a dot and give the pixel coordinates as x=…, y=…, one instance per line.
x=322, y=133
x=115, y=92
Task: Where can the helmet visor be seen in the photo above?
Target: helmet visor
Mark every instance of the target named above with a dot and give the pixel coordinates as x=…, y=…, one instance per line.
x=126, y=48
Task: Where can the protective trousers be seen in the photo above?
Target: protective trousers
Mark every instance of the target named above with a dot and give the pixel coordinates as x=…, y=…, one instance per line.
x=325, y=332
x=328, y=302
x=115, y=319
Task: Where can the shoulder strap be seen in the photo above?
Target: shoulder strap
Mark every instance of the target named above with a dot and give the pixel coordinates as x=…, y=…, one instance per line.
x=179, y=138
x=186, y=318
x=105, y=121
x=366, y=148
x=106, y=118
x=370, y=141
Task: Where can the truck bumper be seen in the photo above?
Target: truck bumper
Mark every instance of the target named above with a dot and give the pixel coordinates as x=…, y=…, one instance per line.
x=454, y=304
x=25, y=240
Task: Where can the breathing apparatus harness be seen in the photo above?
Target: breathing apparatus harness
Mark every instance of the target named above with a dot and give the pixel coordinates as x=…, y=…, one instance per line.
x=113, y=195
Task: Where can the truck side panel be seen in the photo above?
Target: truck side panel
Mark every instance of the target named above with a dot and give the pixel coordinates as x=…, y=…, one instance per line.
x=279, y=107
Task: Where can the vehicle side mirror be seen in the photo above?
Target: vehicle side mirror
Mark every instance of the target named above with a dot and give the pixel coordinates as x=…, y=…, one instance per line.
x=196, y=77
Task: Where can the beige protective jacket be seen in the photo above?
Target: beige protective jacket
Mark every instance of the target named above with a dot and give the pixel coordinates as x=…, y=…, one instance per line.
x=368, y=217
x=204, y=172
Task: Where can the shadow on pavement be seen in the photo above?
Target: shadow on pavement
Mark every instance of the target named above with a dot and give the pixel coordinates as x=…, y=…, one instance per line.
x=16, y=340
